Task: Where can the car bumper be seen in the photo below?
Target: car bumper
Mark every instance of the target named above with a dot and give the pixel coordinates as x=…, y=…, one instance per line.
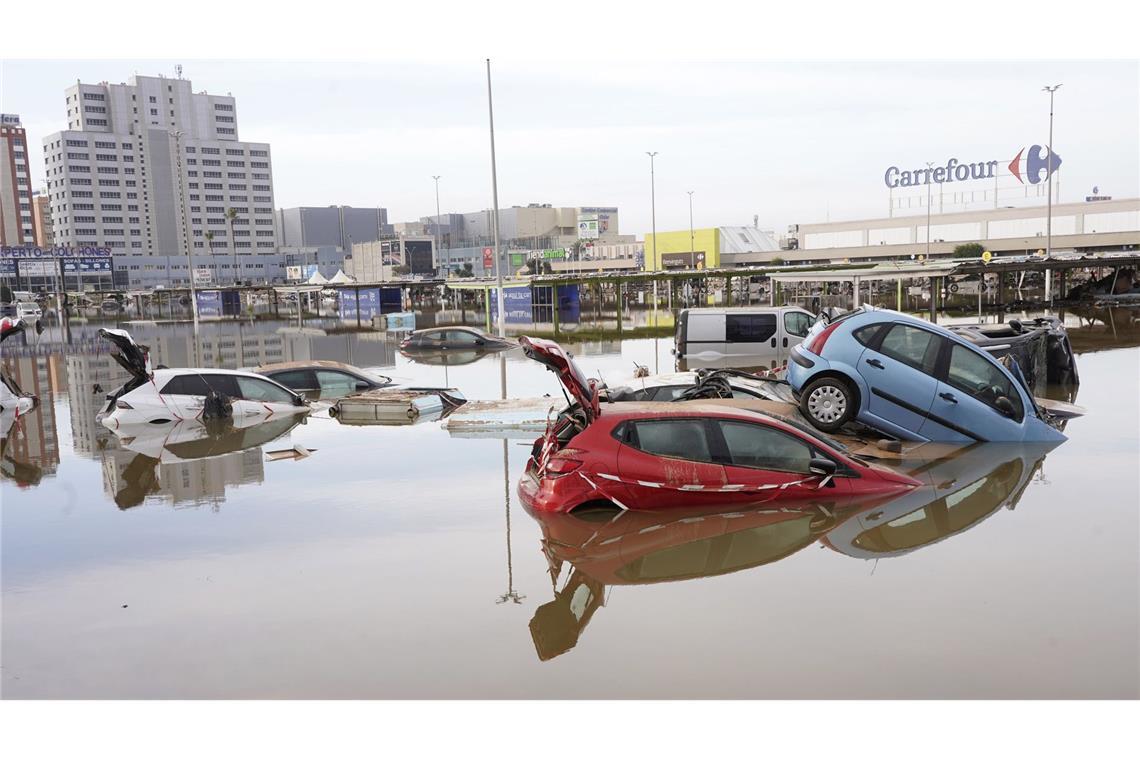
x=554, y=494
x=802, y=367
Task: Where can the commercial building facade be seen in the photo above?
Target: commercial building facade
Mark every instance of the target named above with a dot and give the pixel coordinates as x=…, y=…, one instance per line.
x=340, y=226
x=150, y=168
x=41, y=220
x=709, y=247
x=16, y=220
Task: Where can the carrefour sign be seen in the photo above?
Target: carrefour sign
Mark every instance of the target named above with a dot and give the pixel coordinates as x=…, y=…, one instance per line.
x=1035, y=167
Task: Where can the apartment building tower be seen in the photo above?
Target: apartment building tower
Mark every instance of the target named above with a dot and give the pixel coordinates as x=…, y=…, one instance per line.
x=150, y=168
x=16, y=224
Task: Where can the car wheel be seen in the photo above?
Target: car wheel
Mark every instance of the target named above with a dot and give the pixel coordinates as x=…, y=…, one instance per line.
x=828, y=403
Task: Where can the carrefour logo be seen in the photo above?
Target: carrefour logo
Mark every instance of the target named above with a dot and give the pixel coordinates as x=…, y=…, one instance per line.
x=1037, y=169
x=1035, y=164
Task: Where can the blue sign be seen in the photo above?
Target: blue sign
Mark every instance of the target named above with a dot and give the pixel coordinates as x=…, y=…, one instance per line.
x=517, y=303
x=86, y=265
x=54, y=252
x=209, y=303
x=8, y=267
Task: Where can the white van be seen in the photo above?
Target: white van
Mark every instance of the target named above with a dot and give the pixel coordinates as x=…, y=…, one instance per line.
x=740, y=337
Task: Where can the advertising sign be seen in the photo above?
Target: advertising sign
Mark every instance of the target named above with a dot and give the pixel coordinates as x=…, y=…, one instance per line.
x=8, y=267
x=518, y=260
x=40, y=268
x=516, y=303
x=588, y=226
x=367, y=302
x=203, y=276
x=554, y=253
x=292, y=273
x=209, y=303
x=1036, y=166
x=86, y=265
x=488, y=258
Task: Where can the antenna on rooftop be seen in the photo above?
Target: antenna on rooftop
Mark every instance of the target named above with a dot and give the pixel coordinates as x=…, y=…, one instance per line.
x=178, y=70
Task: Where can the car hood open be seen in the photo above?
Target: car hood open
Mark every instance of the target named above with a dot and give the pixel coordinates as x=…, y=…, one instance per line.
x=581, y=389
x=130, y=355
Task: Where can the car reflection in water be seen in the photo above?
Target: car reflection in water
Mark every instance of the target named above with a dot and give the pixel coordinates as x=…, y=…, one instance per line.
x=188, y=460
x=447, y=357
x=607, y=548
x=14, y=465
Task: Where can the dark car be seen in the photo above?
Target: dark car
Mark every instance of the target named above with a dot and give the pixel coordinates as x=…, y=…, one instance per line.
x=324, y=379
x=454, y=337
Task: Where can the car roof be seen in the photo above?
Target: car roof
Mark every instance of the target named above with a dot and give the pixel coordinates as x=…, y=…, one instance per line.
x=744, y=309
x=439, y=328
x=173, y=371
x=314, y=364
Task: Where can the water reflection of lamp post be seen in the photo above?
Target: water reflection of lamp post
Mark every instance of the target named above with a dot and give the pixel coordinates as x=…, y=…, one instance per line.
x=510, y=594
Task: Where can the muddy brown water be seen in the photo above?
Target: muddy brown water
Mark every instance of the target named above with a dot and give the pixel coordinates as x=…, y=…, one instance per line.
x=397, y=562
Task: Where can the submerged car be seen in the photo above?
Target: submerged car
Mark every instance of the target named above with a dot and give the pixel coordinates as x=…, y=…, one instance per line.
x=692, y=454
x=451, y=338
x=13, y=399
x=165, y=395
x=324, y=379
x=912, y=380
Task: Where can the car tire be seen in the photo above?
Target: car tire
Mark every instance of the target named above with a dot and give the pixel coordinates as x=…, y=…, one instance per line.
x=828, y=403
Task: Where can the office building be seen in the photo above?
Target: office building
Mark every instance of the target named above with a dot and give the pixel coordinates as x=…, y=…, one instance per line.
x=339, y=226
x=16, y=223
x=150, y=168
x=41, y=220
x=709, y=247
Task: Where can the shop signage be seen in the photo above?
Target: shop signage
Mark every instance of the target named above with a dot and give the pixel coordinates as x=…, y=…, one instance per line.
x=1033, y=164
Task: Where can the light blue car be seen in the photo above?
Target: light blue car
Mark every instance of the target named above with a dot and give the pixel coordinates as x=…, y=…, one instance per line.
x=910, y=379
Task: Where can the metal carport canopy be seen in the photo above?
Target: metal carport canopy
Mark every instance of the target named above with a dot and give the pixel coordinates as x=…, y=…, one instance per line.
x=861, y=275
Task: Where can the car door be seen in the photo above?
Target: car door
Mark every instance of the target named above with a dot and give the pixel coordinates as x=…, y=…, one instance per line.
x=750, y=339
x=184, y=394
x=704, y=339
x=760, y=455
x=898, y=370
x=300, y=380
x=258, y=397
x=669, y=462
x=965, y=404
x=793, y=329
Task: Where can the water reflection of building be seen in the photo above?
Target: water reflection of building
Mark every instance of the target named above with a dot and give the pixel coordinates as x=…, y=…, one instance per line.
x=130, y=477
x=35, y=440
x=91, y=376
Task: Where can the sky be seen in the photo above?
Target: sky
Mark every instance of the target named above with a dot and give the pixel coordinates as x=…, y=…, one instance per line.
x=794, y=142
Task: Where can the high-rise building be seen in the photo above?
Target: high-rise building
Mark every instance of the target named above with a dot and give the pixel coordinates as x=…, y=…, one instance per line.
x=148, y=165
x=41, y=219
x=16, y=225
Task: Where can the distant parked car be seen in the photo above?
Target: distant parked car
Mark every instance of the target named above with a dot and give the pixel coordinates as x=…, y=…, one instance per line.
x=911, y=379
x=324, y=379
x=740, y=337
x=29, y=311
x=455, y=337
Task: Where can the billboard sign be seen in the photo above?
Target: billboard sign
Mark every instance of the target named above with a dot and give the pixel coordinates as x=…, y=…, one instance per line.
x=209, y=303
x=8, y=267
x=1036, y=166
x=488, y=258
x=554, y=253
x=292, y=273
x=40, y=268
x=588, y=226
x=86, y=265
x=203, y=276
x=518, y=260
x=517, y=303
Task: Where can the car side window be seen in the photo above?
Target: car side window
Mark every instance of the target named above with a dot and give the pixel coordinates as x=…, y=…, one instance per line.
x=186, y=385
x=912, y=346
x=751, y=445
x=683, y=439
x=300, y=379
x=254, y=389
x=797, y=323
x=331, y=381
x=749, y=328
x=462, y=338
x=975, y=375
x=668, y=392
x=223, y=384
x=866, y=334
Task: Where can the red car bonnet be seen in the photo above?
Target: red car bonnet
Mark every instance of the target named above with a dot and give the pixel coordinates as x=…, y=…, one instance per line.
x=580, y=388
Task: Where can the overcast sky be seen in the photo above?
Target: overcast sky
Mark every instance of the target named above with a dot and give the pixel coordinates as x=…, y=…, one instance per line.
x=791, y=142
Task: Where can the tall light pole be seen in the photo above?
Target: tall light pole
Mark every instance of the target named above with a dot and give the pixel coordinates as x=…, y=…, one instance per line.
x=436, y=178
x=692, y=236
x=495, y=200
x=230, y=215
x=1049, y=167
x=929, y=165
x=653, y=205
x=177, y=135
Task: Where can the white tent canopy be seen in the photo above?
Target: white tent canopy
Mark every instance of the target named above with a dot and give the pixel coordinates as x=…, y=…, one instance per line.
x=317, y=279
x=340, y=278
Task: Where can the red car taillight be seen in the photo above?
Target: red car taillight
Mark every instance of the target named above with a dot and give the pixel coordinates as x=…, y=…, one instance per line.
x=815, y=345
x=559, y=466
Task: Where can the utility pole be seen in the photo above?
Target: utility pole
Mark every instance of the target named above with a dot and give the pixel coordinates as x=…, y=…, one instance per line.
x=929, y=165
x=495, y=198
x=692, y=237
x=231, y=214
x=446, y=268
x=186, y=228
x=1049, y=213
x=653, y=205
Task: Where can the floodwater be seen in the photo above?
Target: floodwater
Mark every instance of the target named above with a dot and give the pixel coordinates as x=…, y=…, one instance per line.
x=397, y=562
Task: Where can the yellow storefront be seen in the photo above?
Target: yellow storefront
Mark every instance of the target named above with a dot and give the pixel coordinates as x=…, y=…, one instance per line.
x=677, y=250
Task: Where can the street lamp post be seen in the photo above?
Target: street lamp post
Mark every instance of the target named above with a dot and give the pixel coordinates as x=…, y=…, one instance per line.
x=177, y=135
x=653, y=205
x=495, y=200
x=692, y=236
x=1049, y=212
x=929, y=165
x=445, y=266
x=230, y=215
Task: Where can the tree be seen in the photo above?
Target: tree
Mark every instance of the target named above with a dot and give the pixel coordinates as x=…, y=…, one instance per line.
x=466, y=271
x=969, y=251
x=533, y=266
x=777, y=260
x=401, y=269
x=5, y=294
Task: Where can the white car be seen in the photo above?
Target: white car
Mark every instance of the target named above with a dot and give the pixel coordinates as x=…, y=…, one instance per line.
x=29, y=310
x=169, y=395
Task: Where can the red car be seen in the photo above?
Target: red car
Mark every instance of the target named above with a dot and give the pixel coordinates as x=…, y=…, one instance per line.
x=681, y=454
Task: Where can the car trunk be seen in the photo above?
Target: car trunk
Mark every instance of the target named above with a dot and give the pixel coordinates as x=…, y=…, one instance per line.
x=132, y=357
x=582, y=391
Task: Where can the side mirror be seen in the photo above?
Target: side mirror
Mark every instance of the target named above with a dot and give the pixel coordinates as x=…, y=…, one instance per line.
x=301, y=400
x=363, y=385
x=1005, y=406
x=821, y=466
